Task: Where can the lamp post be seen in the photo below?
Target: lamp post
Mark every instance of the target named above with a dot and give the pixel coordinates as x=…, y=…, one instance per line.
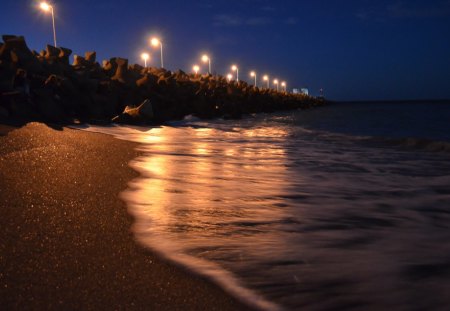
x=235, y=68
x=145, y=57
x=49, y=8
x=206, y=58
x=283, y=85
x=253, y=74
x=229, y=77
x=276, y=83
x=196, y=68
x=155, y=42
x=266, y=78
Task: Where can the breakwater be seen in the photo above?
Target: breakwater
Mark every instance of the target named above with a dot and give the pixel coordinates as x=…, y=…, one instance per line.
x=46, y=86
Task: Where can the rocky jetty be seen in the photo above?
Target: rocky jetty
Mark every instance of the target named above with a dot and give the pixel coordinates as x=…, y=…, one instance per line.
x=44, y=86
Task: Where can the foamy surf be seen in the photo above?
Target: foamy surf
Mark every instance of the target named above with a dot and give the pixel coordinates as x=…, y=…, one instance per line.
x=303, y=217
x=137, y=194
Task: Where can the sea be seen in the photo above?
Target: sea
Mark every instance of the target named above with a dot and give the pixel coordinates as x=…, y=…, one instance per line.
x=340, y=207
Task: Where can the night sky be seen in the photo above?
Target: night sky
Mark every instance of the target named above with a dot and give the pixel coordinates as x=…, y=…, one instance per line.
x=354, y=49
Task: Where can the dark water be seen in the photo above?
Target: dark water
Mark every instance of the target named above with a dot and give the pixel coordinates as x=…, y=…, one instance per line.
x=343, y=207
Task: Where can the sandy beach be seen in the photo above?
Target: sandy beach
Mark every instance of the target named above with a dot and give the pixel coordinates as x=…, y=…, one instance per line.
x=66, y=239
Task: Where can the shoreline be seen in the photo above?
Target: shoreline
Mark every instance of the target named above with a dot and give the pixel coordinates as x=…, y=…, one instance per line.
x=67, y=239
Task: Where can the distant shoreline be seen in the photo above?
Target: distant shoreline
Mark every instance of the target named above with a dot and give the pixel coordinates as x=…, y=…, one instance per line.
x=394, y=101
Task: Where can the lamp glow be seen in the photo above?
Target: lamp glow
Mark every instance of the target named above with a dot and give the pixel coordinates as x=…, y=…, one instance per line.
x=145, y=57
x=49, y=8
x=283, y=84
x=196, y=68
x=276, y=83
x=235, y=68
x=253, y=74
x=155, y=42
x=229, y=77
x=45, y=6
x=266, y=78
x=207, y=59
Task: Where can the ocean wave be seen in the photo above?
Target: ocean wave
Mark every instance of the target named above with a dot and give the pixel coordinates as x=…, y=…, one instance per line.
x=280, y=216
x=414, y=143
x=406, y=143
x=134, y=196
x=172, y=250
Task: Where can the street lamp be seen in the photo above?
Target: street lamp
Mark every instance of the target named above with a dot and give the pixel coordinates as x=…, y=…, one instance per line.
x=276, y=83
x=196, y=68
x=206, y=58
x=229, y=77
x=155, y=42
x=49, y=8
x=253, y=74
x=145, y=57
x=266, y=78
x=235, y=68
x=283, y=85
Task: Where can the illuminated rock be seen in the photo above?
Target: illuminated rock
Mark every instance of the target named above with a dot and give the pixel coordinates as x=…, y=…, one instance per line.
x=121, y=73
x=90, y=57
x=136, y=115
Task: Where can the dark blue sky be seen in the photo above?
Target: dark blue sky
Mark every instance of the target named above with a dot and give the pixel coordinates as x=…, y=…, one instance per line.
x=354, y=49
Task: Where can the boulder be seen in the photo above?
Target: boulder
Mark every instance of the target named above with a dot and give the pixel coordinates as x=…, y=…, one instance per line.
x=136, y=68
x=79, y=61
x=15, y=50
x=146, y=81
x=13, y=43
x=6, y=79
x=52, y=53
x=20, y=107
x=110, y=66
x=136, y=115
x=64, y=55
x=4, y=114
x=162, y=81
x=90, y=57
x=180, y=75
x=9, y=37
x=121, y=74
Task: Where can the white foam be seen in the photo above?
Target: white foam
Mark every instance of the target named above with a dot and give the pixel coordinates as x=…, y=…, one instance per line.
x=134, y=197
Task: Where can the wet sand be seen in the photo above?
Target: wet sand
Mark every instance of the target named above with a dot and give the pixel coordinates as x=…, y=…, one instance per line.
x=66, y=240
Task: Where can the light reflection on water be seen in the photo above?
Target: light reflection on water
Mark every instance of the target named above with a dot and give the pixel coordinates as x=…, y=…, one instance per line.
x=304, y=219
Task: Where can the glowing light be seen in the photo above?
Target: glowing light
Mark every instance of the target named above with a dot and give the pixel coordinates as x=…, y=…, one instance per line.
x=235, y=68
x=155, y=42
x=276, y=83
x=229, y=77
x=145, y=57
x=266, y=78
x=49, y=8
x=253, y=74
x=207, y=59
x=196, y=68
x=45, y=6
x=283, y=85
